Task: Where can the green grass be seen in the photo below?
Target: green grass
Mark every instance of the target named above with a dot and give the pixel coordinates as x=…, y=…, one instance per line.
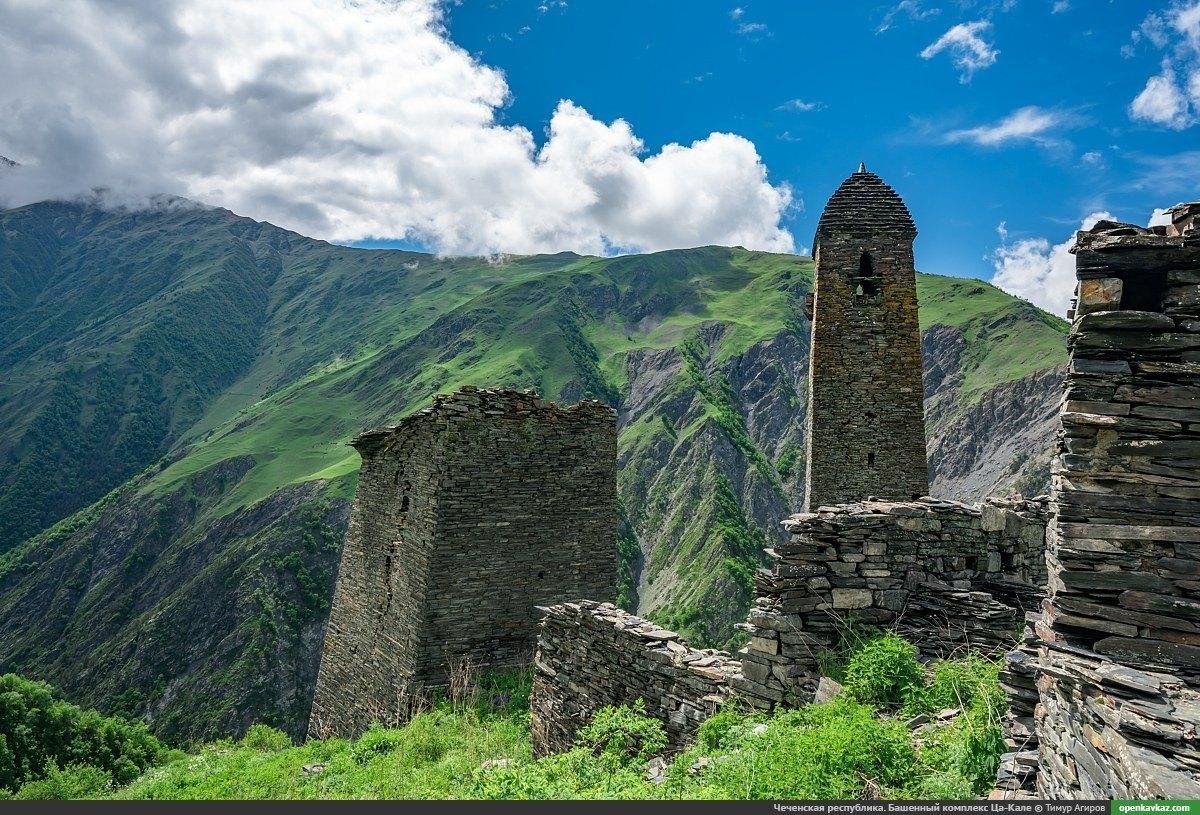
x=478, y=746
x=1006, y=338
x=182, y=385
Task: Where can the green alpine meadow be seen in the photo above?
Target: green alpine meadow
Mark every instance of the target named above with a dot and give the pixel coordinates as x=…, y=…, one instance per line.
x=182, y=383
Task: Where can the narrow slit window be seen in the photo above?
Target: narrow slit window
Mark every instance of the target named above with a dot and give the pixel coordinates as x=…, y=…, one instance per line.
x=870, y=459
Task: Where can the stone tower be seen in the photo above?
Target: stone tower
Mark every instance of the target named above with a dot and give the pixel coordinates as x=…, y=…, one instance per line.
x=866, y=425
x=468, y=516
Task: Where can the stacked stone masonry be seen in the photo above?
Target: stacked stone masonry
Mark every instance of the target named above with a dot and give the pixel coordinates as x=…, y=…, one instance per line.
x=1118, y=673
x=593, y=654
x=468, y=516
x=866, y=434
x=944, y=574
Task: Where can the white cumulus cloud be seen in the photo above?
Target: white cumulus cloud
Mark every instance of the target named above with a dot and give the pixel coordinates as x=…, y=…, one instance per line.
x=1162, y=101
x=1160, y=217
x=1171, y=98
x=1041, y=272
x=967, y=47
x=346, y=120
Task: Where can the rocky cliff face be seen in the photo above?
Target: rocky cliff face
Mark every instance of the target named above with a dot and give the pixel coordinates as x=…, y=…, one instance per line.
x=1001, y=442
x=195, y=592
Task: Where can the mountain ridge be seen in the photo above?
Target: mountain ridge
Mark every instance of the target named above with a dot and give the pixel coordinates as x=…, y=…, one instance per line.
x=201, y=434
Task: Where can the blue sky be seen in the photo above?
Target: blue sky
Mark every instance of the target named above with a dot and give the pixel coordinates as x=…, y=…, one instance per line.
x=601, y=126
x=679, y=69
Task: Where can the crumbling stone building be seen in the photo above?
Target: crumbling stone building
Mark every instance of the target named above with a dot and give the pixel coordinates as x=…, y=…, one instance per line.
x=1117, y=665
x=866, y=427
x=468, y=515
x=947, y=575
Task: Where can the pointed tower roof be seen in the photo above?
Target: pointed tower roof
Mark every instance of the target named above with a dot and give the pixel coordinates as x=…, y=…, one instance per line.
x=865, y=205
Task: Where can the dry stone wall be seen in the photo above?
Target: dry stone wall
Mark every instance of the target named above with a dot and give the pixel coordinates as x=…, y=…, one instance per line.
x=468, y=516
x=1119, y=668
x=944, y=574
x=594, y=654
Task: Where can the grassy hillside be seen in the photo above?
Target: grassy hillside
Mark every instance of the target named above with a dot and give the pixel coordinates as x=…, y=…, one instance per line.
x=185, y=382
x=477, y=745
x=1006, y=339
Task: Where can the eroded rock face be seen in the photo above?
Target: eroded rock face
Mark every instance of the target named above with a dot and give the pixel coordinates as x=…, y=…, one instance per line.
x=1002, y=442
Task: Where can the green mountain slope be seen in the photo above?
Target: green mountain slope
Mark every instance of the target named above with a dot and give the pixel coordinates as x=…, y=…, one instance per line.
x=185, y=381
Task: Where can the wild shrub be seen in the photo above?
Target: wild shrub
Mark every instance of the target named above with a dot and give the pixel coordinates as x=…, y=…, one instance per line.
x=72, y=784
x=831, y=750
x=377, y=741
x=40, y=731
x=962, y=683
x=266, y=739
x=625, y=735
x=725, y=729
x=969, y=747
x=884, y=672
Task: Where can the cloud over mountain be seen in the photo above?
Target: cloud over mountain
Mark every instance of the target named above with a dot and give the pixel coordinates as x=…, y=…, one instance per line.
x=346, y=121
x=1037, y=271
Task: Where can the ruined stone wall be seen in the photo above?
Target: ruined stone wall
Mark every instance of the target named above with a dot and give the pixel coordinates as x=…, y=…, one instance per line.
x=866, y=434
x=527, y=516
x=468, y=516
x=593, y=654
x=1119, y=664
x=942, y=573
x=376, y=619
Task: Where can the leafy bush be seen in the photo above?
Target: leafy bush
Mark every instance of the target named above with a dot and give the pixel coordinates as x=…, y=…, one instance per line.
x=377, y=741
x=74, y=783
x=969, y=747
x=625, y=735
x=39, y=731
x=884, y=672
x=725, y=729
x=962, y=683
x=832, y=750
x=266, y=739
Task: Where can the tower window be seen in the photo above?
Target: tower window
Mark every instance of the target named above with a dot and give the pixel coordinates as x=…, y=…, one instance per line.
x=870, y=459
x=866, y=281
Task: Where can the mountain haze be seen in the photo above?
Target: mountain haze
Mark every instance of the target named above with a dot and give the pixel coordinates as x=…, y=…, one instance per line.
x=181, y=384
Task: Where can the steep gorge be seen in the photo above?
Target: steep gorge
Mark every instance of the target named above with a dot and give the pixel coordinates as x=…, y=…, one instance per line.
x=195, y=592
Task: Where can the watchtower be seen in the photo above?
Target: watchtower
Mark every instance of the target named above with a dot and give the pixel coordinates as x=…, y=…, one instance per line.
x=866, y=433
x=469, y=515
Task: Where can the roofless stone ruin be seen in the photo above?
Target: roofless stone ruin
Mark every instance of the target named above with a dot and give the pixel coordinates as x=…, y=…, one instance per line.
x=468, y=515
x=494, y=509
